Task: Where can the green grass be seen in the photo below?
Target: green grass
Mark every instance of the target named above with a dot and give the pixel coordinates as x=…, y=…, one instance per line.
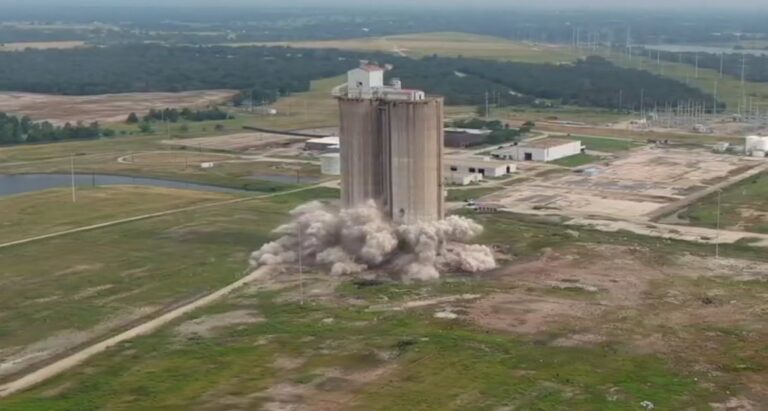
x=604, y=144
x=450, y=44
x=464, y=194
x=527, y=236
x=576, y=160
x=438, y=365
x=49, y=211
x=743, y=206
x=729, y=87
x=60, y=285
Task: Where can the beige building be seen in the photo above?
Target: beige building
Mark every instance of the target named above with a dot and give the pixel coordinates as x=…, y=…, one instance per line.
x=548, y=149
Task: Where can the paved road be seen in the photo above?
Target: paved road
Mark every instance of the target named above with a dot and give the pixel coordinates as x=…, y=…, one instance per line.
x=81, y=356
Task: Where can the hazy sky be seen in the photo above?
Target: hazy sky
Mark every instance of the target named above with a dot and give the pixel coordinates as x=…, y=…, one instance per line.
x=570, y=4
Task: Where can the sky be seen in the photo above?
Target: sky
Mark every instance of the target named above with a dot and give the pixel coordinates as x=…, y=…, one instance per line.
x=756, y=5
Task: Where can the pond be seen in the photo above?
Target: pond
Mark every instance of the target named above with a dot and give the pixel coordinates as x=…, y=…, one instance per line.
x=26, y=183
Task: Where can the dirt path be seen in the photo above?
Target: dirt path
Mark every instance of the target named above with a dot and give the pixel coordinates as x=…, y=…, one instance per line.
x=159, y=214
x=81, y=356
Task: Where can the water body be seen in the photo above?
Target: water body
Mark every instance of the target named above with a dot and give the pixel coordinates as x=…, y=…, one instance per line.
x=684, y=48
x=27, y=183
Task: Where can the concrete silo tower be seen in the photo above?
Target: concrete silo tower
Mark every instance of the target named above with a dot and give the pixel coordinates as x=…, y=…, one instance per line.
x=391, y=146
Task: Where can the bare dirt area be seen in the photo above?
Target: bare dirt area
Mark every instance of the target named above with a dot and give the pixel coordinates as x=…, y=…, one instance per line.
x=630, y=187
x=709, y=314
x=105, y=108
x=41, y=45
x=236, y=142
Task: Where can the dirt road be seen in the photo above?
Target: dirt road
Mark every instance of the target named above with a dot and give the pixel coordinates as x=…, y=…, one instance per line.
x=81, y=356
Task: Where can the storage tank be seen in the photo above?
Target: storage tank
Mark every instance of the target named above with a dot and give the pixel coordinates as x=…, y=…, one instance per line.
x=416, y=148
x=761, y=144
x=751, y=143
x=330, y=164
x=363, y=152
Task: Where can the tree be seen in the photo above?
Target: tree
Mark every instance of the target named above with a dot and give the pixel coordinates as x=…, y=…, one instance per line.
x=145, y=127
x=132, y=118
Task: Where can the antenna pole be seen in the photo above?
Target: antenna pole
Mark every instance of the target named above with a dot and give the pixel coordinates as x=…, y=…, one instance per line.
x=72, y=174
x=301, y=265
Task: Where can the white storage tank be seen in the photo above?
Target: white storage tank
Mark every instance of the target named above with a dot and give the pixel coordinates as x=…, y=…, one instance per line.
x=330, y=164
x=758, y=153
x=751, y=143
x=761, y=144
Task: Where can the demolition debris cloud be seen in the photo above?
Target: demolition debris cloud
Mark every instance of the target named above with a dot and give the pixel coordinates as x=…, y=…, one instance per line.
x=350, y=241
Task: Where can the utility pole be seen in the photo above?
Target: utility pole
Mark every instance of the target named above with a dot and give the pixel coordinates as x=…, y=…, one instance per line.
x=714, y=100
x=487, y=106
x=717, y=238
x=697, y=65
x=72, y=174
x=301, y=265
x=722, y=57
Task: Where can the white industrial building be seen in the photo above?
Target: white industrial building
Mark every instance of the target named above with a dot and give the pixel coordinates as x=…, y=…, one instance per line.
x=756, y=146
x=548, y=149
x=330, y=143
x=330, y=164
x=467, y=170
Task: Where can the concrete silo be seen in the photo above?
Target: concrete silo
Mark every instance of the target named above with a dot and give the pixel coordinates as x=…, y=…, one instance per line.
x=391, y=147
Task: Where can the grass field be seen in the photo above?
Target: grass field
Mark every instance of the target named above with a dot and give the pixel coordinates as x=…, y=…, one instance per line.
x=743, y=206
x=604, y=144
x=49, y=211
x=465, y=194
x=260, y=348
x=449, y=44
x=729, y=88
x=577, y=160
x=587, y=115
x=61, y=292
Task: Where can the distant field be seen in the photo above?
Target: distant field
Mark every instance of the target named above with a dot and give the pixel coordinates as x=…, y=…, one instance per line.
x=49, y=211
x=448, y=44
x=61, y=292
x=743, y=206
x=729, y=88
x=104, y=108
x=576, y=160
x=586, y=115
x=603, y=144
x=41, y=45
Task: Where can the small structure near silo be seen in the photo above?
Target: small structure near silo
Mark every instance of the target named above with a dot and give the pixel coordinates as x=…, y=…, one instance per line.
x=330, y=164
x=721, y=147
x=326, y=144
x=468, y=170
x=545, y=150
x=464, y=137
x=756, y=146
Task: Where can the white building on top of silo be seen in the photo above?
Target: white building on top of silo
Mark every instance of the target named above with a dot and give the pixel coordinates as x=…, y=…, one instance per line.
x=367, y=82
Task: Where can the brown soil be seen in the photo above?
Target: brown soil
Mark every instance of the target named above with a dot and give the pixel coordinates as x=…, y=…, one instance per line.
x=105, y=108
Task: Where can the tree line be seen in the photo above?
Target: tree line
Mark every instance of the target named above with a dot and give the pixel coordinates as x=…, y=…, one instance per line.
x=21, y=130
x=265, y=73
x=173, y=115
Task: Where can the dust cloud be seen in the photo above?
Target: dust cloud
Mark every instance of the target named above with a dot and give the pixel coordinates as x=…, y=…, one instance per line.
x=351, y=241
